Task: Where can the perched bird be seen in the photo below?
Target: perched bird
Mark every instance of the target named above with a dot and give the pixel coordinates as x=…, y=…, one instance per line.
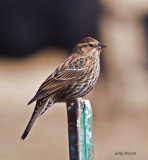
x=73, y=79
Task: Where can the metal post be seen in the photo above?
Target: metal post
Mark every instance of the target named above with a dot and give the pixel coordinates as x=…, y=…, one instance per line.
x=80, y=130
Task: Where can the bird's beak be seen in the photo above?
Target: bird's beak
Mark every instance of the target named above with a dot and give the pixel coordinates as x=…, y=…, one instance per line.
x=99, y=46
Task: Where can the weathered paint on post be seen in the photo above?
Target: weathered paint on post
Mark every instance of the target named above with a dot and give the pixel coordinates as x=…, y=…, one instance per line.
x=80, y=130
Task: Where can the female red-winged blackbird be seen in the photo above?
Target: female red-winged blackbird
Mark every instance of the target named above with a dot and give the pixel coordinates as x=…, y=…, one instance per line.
x=73, y=79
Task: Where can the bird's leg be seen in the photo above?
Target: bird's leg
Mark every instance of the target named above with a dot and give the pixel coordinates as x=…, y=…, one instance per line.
x=70, y=106
x=82, y=103
x=83, y=106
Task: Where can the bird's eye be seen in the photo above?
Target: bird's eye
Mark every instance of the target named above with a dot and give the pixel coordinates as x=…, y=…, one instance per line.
x=91, y=45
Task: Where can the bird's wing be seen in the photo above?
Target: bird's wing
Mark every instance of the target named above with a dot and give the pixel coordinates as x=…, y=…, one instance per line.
x=58, y=80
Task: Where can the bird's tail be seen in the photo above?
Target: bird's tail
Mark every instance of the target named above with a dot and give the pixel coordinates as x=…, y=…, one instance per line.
x=39, y=109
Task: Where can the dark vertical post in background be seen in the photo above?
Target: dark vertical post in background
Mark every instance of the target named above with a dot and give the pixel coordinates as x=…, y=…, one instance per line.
x=80, y=130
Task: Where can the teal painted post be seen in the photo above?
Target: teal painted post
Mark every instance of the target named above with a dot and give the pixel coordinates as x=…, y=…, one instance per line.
x=80, y=130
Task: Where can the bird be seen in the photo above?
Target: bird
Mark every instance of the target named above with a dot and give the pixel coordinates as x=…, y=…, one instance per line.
x=73, y=79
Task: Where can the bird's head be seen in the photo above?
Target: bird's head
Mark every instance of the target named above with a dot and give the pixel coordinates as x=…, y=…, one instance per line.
x=89, y=46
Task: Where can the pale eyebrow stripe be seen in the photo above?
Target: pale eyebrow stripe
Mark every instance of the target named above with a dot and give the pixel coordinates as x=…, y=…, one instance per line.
x=82, y=44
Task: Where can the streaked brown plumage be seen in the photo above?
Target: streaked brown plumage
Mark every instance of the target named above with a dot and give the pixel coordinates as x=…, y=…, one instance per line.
x=73, y=79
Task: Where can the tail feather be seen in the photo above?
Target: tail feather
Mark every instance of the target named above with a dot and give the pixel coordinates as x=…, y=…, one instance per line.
x=29, y=126
x=39, y=109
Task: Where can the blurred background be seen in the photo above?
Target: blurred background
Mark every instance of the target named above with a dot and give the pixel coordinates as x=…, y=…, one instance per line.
x=35, y=37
